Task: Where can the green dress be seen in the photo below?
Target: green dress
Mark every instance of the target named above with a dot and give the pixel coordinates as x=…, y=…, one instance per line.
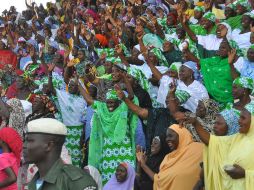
x=217, y=78
x=112, y=138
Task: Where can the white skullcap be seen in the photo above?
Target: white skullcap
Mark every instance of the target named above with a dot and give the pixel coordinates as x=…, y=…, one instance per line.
x=46, y=126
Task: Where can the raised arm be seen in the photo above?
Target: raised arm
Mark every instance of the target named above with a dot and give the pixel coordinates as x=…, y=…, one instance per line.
x=231, y=59
x=186, y=27
x=202, y=133
x=141, y=112
x=50, y=83
x=157, y=74
x=86, y=96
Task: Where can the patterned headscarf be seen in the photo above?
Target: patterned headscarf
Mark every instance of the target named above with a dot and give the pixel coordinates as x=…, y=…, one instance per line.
x=209, y=16
x=244, y=82
x=250, y=14
x=193, y=66
x=46, y=101
x=139, y=76
x=17, y=115
x=244, y=3
x=231, y=119
x=175, y=66
x=182, y=96
x=162, y=60
x=113, y=60
x=111, y=95
x=200, y=9
x=235, y=46
x=228, y=36
x=231, y=6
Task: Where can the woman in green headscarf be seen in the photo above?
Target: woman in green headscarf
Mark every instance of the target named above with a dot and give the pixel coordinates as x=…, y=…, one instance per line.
x=241, y=7
x=113, y=134
x=217, y=73
x=242, y=89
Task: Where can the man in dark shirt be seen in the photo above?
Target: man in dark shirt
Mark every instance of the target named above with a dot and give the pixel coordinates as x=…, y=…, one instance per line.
x=43, y=145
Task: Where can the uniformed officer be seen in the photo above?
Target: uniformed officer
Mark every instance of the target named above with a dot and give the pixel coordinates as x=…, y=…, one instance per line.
x=43, y=144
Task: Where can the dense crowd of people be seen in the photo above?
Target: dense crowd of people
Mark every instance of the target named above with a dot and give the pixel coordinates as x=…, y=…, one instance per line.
x=127, y=95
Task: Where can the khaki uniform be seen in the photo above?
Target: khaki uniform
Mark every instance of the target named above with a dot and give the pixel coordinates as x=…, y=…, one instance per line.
x=63, y=177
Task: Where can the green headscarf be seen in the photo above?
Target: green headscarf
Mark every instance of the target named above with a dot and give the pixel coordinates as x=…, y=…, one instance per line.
x=115, y=125
x=209, y=16
x=252, y=46
x=162, y=60
x=251, y=15
x=231, y=6
x=175, y=66
x=244, y=82
x=235, y=46
x=113, y=60
x=139, y=76
x=244, y=3
x=182, y=96
x=200, y=9
x=111, y=95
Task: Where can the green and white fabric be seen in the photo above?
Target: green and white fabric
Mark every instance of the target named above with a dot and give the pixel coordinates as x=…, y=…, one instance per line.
x=244, y=82
x=210, y=16
x=112, y=138
x=182, y=96
x=139, y=76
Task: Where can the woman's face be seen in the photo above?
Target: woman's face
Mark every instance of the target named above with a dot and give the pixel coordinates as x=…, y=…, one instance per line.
x=250, y=55
x=201, y=110
x=37, y=105
x=155, y=146
x=219, y=30
x=246, y=20
x=238, y=91
x=170, y=20
x=152, y=58
x=20, y=83
x=206, y=23
x=72, y=87
x=172, y=139
x=121, y=174
x=180, y=33
x=229, y=12
x=112, y=104
x=185, y=73
x=240, y=9
x=167, y=46
x=223, y=49
x=244, y=122
x=220, y=127
x=81, y=55
x=116, y=74
x=198, y=14
x=108, y=67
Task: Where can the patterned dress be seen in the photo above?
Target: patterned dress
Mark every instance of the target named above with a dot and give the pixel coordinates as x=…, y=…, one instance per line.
x=72, y=109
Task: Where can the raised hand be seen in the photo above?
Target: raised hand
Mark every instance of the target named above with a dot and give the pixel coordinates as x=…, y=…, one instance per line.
x=231, y=56
x=119, y=92
x=51, y=67
x=237, y=173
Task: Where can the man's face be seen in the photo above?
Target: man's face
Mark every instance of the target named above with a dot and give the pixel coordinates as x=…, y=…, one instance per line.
x=34, y=148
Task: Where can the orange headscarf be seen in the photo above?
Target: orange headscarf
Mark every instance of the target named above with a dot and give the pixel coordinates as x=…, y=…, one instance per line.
x=180, y=169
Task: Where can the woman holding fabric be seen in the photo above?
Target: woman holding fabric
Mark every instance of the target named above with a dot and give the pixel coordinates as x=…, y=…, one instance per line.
x=112, y=138
x=180, y=168
x=228, y=159
x=72, y=108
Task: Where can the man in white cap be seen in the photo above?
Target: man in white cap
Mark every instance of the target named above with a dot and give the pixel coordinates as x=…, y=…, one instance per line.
x=43, y=144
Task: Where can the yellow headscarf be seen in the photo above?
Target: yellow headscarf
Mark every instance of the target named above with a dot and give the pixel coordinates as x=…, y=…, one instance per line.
x=228, y=150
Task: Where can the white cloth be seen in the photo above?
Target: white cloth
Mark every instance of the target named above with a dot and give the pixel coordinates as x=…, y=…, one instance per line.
x=242, y=40
x=72, y=108
x=239, y=64
x=163, y=89
x=27, y=106
x=197, y=92
x=209, y=42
